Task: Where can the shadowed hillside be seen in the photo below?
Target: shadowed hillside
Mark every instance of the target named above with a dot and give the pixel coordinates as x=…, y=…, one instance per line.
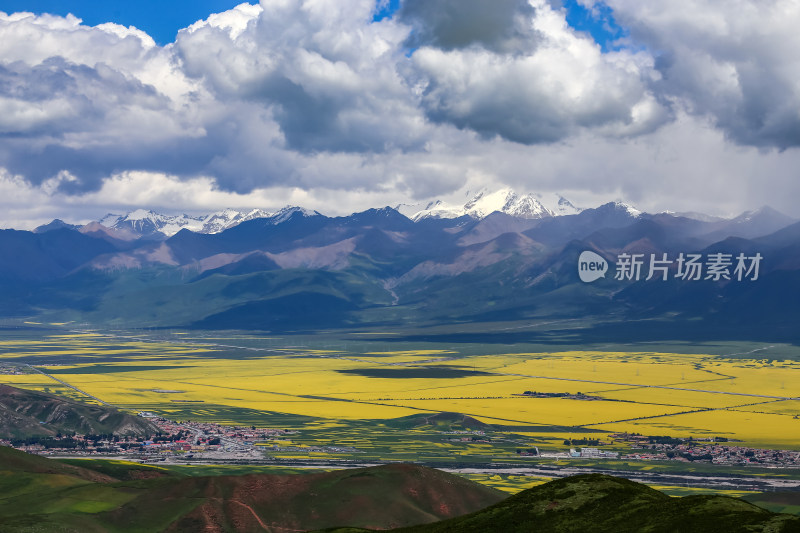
x=440, y=422
x=600, y=503
x=44, y=495
x=25, y=413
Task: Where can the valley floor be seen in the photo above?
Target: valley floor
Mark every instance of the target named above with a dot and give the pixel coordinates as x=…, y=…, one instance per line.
x=511, y=415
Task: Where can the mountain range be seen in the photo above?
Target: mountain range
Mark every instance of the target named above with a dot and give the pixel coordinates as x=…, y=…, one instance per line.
x=142, y=223
x=298, y=270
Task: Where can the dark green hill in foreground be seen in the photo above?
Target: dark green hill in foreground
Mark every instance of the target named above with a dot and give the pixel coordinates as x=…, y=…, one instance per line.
x=25, y=413
x=778, y=502
x=598, y=503
x=42, y=495
x=16, y=465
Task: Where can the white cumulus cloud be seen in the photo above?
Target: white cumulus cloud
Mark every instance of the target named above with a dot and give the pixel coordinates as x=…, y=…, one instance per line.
x=312, y=101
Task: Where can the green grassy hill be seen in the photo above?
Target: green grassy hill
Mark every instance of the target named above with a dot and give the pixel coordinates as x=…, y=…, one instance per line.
x=777, y=502
x=440, y=422
x=42, y=495
x=598, y=503
x=17, y=464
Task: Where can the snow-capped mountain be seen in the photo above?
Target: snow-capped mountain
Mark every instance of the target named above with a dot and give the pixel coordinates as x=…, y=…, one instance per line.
x=284, y=214
x=508, y=202
x=632, y=211
x=482, y=204
x=300, y=270
x=228, y=218
x=147, y=223
x=558, y=205
x=434, y=209
x=110, y=220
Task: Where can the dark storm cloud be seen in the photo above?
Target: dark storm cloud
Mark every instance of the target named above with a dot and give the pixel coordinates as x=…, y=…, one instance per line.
x=734, y=63
x=56, y=97
x=759, y=107
x=313, y=122
x=499, y=25
x=91, y=165
x=53, y=108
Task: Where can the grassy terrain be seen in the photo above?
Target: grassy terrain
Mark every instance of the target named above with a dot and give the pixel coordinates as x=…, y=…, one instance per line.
x=45, y=495
x=777, y=502
x=113, y=496
x=600, y=503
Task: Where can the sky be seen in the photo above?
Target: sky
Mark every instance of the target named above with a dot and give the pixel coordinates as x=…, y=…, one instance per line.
x=343, y=105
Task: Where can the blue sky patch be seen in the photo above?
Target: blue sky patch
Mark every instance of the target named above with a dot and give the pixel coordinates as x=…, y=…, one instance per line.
x=598, y=22
x=386, y=9
x=161, y=20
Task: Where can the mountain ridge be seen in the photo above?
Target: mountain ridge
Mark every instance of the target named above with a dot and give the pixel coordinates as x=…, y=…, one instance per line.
x=379, y=497
x=148, y=224
x=380, y=267
x=24, y=413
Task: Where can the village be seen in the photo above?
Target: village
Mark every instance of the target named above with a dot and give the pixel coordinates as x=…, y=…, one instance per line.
x=184, y=439
x=715, y=450
x=177, y=442
x=209, y=442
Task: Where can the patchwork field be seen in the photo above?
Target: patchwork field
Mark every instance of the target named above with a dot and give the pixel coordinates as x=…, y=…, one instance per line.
x=350, y=390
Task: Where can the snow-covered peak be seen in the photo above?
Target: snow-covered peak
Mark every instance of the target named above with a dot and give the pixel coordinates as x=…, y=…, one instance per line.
x=284, y=214
x=506, y=201
x=632, y=211
x=763, y=212
x=693, y=215
x=433, y=209
x=143, y=214
x=410, y=210
x=110, y=219
x=147, y=223
x=558, y=205
x=228, y=218
x=484, y=203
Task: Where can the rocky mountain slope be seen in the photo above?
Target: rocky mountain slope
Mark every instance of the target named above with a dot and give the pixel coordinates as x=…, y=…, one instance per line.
x=25, y=413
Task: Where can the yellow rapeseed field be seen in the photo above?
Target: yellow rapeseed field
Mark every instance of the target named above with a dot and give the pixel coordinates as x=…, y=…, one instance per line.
x=644, y=392
x=752, y=429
